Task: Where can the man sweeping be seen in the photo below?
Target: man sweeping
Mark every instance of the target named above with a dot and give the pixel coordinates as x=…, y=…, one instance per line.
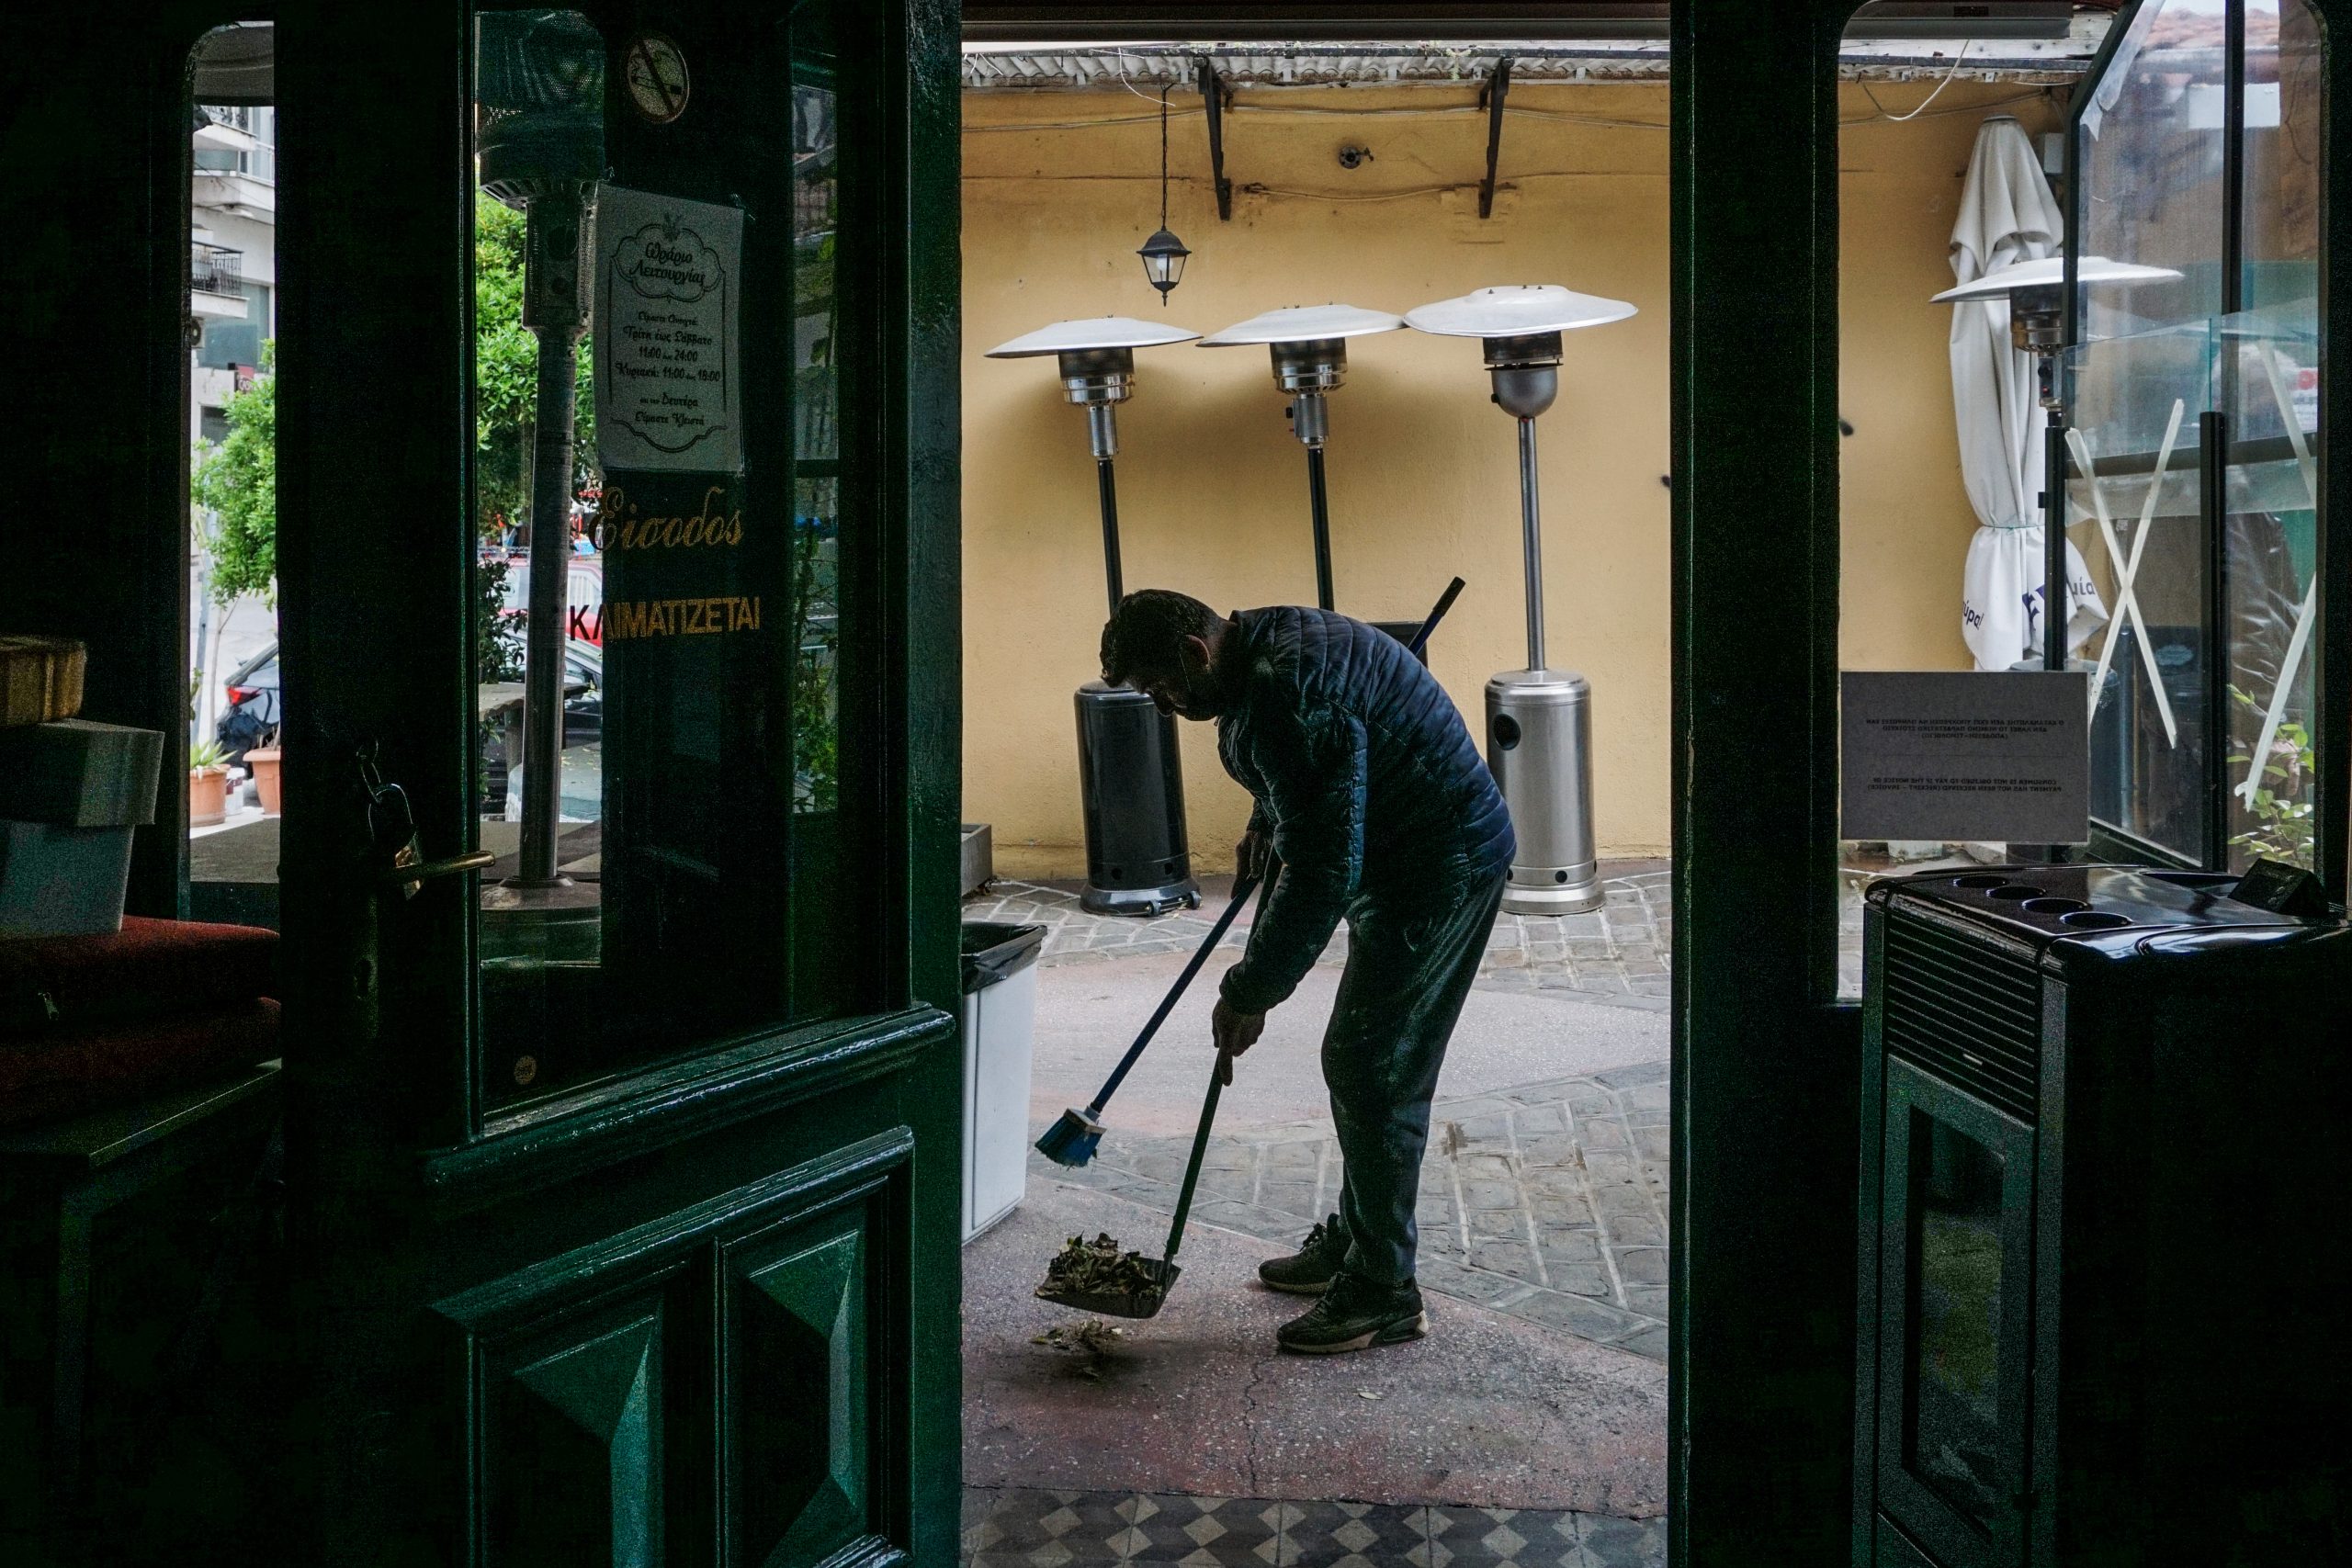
x=1380, y=811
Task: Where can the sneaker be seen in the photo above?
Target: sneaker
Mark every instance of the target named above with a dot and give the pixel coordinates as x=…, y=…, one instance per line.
x=1309, y=1271
x=1355, y=1315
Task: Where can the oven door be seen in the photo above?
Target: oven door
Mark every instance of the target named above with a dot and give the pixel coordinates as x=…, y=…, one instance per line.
x=1955, y=1254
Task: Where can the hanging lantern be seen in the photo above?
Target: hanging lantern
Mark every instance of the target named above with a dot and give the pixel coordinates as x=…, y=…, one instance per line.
x=1163, y=262
x=1163, y=255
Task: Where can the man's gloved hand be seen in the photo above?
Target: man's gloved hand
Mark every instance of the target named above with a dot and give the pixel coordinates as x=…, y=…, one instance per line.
x=1250, y=856
x=1234, y=1033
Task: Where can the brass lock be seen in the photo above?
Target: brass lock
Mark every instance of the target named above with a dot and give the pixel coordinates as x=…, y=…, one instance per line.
x=392, y=827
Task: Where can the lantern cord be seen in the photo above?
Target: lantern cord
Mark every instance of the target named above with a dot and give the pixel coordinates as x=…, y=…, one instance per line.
x=1163, y=162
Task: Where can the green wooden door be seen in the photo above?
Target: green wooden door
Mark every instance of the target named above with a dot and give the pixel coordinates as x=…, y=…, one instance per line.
x=625, y=1210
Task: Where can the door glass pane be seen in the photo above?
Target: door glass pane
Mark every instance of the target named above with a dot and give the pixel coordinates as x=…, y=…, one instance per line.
x=547, y=1015
x=1951, y=1438
x=823, y=288
x=638, y=580
x=233, y=709
x=816, y=206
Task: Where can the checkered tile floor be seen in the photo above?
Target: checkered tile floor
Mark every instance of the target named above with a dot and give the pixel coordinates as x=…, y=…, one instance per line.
x=1020, y=1528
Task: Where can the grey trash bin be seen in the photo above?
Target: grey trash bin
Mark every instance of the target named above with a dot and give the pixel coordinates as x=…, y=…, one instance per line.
x=999, y=1020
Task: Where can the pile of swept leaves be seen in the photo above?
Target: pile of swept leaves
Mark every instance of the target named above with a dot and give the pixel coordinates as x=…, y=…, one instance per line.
x=1097, y=1268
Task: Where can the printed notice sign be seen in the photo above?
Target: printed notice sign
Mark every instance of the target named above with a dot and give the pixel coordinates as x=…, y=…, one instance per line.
x=2001, y=757
x=669, y=379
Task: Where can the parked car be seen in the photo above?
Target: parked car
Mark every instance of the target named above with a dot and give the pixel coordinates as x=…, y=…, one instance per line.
x=254, y=710
x=251, y=713
x=583, y=720
x=583, y=592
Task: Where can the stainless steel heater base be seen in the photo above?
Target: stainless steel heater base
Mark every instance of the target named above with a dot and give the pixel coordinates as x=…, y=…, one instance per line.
x=1539, y=745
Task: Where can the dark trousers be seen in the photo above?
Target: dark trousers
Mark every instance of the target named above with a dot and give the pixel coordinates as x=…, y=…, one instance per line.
x=1409, y=969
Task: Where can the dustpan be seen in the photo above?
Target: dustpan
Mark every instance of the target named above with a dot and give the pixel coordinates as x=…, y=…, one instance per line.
x=1148, y=1301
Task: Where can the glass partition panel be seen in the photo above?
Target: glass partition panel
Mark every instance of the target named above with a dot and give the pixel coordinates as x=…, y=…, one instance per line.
x=2151, y=163
x=2135, y=495
x=2284, y=127
x=2271, y=373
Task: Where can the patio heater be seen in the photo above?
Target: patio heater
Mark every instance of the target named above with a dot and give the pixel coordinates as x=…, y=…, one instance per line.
x=1539, y=720
x=1131, y=779
x=1308, y=346
x=2036, y=293
x=542, y=149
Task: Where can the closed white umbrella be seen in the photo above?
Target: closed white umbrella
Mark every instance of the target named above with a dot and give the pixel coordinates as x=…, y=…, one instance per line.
x=2007, y=216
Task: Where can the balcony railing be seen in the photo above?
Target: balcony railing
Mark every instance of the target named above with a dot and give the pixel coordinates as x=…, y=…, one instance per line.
x=235, y=116
x=215, y=269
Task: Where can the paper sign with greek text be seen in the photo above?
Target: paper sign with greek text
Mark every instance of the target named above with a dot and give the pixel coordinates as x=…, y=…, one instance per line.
x=1957, y=757
x=669, y=371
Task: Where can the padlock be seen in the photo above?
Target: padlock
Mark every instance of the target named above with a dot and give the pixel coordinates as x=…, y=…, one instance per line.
x=392, y=826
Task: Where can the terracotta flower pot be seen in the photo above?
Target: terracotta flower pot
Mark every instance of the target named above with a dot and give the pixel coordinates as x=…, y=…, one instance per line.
x=208, y=796
x=263, y=760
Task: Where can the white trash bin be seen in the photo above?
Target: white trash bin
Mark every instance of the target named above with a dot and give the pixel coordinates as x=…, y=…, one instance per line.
x=1000, y=1021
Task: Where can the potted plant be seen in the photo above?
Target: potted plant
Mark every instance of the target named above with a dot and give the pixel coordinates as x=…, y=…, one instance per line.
x=207, y=785
x=263, y=760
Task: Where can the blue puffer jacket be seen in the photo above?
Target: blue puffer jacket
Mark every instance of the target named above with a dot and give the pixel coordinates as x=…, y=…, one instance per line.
x=1363, y=774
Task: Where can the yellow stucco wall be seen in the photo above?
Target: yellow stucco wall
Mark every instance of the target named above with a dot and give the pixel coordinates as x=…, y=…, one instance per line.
x=1423, y=475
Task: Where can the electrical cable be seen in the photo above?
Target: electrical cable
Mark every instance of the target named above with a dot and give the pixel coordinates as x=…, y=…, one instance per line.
x=1931, y=97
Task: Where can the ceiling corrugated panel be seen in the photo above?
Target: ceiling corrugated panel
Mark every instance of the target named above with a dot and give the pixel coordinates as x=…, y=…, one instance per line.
x=1252, y=65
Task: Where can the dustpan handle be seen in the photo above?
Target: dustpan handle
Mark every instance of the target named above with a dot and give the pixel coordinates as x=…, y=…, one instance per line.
x=1208, y=1118
x=1192, y=1170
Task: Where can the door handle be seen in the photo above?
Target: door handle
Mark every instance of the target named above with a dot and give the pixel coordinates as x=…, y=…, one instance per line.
x=408, y=879
x=392, y=828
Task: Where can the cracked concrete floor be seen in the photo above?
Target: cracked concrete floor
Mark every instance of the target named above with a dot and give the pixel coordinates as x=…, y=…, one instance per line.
x=1488, y=1411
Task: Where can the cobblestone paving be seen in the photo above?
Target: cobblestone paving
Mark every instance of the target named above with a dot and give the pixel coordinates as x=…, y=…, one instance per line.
x=1618, y=951
x=1099, y=1529
x=1546, y=1202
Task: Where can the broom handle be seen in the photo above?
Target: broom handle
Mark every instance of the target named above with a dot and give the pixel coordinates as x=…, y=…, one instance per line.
x=1208, y=1116
x=1428, y=623
x=1242, y=890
